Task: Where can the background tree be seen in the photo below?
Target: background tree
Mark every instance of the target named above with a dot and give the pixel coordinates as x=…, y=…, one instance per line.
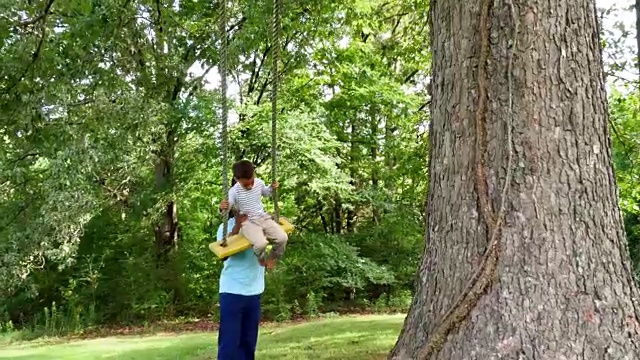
x=110, y=126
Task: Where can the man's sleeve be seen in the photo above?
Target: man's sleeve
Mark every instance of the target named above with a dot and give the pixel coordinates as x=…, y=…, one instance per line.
x=219, y=235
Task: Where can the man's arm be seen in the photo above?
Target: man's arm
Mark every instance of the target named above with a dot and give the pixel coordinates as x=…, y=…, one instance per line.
x=236, y=228
x=219, y=234
x=238, y=225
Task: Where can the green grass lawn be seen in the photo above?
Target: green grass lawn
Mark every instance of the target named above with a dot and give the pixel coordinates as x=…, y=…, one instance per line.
x=360, y=337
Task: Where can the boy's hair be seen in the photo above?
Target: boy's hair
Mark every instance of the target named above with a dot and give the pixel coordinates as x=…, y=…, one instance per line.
x=243, y=169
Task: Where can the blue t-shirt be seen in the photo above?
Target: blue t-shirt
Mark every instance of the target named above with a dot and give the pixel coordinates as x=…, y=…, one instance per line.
x=241, y=274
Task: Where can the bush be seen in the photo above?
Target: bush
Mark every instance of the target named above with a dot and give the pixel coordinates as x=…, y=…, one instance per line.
x=320, y=273
x=320, y=270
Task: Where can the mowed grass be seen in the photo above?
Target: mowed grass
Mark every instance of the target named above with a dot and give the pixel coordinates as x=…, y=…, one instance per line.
x=359, y=337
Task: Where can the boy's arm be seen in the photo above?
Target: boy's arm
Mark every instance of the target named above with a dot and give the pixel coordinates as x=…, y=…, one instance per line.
x=266, y=190
x=232, y=197
x=232, y=200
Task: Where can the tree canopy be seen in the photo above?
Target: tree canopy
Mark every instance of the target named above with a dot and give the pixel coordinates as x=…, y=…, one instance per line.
x=109, y=111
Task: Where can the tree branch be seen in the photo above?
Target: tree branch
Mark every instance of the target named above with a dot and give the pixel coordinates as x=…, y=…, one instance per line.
x=42, y=16
x=624, y=144
x=28, y=154
x=36, y=53
x=238, y=24
x=255, y=74
x=410, y=76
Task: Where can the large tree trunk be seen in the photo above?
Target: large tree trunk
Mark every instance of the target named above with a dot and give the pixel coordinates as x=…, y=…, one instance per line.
x=558, y=284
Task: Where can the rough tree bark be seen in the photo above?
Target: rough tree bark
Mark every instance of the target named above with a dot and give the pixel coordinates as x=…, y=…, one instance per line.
x=557, y=284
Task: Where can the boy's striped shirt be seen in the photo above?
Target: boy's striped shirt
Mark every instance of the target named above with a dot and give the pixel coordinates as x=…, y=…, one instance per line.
x=249, y=202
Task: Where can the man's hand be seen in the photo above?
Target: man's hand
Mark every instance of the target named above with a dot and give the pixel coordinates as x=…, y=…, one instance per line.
x=274, y=185
x=239, y=220
x=268, y=264
x=224, y=205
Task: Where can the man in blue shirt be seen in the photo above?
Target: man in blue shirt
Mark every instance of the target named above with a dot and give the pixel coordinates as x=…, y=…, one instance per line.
x=241, y=287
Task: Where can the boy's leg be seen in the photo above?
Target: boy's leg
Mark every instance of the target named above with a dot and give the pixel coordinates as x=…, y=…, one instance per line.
x=273, y=231
x=230, y=326
x=255, y=235
x=250, y=323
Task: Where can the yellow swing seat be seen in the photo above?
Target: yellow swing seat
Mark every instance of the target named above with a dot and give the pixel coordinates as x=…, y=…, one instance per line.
x=238, y=243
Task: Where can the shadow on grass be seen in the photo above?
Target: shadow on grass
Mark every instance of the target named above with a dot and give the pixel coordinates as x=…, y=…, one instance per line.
x=368, y=337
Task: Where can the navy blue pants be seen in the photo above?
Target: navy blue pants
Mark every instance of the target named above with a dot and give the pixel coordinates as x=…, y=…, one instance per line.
x=239, y=320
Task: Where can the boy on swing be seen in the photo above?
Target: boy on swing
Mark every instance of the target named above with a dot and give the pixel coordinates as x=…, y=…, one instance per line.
x=246, y=197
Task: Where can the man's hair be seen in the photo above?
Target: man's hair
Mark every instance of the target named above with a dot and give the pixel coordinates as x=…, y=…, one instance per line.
x=243, y=169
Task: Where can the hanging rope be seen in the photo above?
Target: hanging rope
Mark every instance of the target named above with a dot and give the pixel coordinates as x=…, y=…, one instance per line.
x=275, y=55
x=222, y=66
